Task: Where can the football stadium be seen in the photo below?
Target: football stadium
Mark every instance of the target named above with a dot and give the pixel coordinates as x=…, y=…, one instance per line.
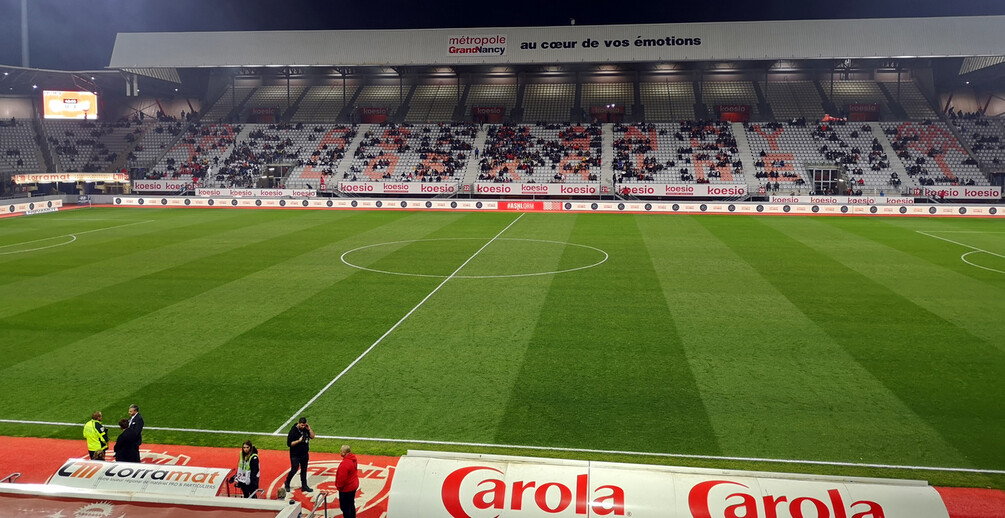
x=726, y=269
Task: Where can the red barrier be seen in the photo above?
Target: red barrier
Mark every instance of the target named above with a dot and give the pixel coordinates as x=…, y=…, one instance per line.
x=375, y=473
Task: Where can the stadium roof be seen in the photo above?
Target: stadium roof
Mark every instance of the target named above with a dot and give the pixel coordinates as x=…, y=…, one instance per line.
x=764, y=40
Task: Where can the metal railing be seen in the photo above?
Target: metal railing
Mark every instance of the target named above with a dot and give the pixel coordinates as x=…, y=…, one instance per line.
x=10, y=479
x=320, y=504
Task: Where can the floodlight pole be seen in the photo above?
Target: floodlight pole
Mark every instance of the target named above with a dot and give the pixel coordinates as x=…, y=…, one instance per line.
x=24, y=34
x=287, y=70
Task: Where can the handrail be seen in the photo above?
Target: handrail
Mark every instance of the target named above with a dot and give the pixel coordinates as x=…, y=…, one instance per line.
x=10, y=478
x=322, y=500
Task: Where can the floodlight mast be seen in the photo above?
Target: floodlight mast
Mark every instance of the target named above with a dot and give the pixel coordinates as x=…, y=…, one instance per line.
x=24, y=34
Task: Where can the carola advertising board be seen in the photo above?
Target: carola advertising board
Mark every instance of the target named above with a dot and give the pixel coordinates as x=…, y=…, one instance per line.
x=472, y=486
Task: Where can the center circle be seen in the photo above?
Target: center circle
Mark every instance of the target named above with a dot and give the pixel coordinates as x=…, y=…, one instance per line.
x=532, y=274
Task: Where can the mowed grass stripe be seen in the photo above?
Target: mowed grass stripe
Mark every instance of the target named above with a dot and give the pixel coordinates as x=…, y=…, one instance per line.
x=94, y=239
x=605, y=368
x=446, y=373
x=173, y=338
x=279, y=364
x=166, y=243
x=774, y=383
x=54, y=224
x=978, y=233
x=915, y=267
x=32, y=333
x=947, y=376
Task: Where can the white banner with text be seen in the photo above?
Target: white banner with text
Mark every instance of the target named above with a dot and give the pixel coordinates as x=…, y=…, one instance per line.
x=140, y=478
x=688, y=190
x=257, y=193
x=489, y=486
x=431, y=188
x=161, y=185
x=984, y=192
x=30, y=207
x=537, y=189
x=844, y=200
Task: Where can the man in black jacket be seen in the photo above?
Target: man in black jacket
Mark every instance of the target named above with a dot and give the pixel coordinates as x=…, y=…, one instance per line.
x=299, y=440
x=136, y=423
x=127, y=446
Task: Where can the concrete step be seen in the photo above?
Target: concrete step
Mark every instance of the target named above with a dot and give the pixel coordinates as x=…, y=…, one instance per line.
x=471, y=169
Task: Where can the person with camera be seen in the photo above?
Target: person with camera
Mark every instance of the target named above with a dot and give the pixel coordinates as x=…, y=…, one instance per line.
x=299, y=440
x=248, y=471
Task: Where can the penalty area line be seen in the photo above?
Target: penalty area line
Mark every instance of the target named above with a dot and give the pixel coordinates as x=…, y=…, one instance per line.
x=556, y=448
x=961, y=244
x=395, y=326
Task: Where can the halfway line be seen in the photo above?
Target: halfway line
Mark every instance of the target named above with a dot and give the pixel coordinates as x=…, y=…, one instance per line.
x=395, y=326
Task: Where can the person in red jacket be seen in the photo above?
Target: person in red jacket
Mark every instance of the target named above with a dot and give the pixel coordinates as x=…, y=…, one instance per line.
x=347, y=482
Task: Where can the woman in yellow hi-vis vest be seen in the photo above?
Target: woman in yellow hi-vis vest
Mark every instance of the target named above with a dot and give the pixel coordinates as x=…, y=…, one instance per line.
x=248, y=470
x=96, y=436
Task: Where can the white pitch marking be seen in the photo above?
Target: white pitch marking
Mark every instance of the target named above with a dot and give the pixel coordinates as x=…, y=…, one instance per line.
x=395, y=326
x=964, y=256
x=514, y=275
x=73, y=236
x=551, y=448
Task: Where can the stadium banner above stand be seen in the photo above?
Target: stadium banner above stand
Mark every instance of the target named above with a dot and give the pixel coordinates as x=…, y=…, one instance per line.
x=844, y=200
x=489, y=114
x=863, y=112
x=701, y=190
x=466, y=486
x=432, y=188
x=161, y=185
x=536, y=189
x=369, y=115
x=761, y=40
x=257, y=193
x=733, y=112
x=71, y=178
x=983, y=192
x=608, y=113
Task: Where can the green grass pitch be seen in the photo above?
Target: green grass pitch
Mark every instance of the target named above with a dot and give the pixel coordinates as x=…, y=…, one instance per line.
x=858, y=340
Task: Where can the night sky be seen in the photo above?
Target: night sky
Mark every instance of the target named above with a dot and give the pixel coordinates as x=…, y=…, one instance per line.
x=79, y=34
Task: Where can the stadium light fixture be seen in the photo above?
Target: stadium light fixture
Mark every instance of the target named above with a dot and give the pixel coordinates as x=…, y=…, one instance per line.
x=34, y=87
